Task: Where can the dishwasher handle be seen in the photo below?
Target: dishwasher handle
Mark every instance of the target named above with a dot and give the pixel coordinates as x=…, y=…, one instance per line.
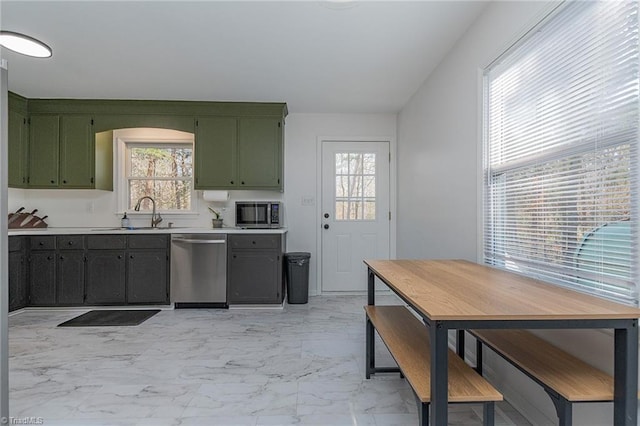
x=197, y=241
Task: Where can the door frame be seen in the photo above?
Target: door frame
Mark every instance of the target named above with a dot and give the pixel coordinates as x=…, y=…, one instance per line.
x=392, y=195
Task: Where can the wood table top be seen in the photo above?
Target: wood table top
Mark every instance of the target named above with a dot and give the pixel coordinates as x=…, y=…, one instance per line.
x=462, y=290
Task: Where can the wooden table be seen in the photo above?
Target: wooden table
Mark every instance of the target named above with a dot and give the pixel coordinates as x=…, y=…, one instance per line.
x=461, y=295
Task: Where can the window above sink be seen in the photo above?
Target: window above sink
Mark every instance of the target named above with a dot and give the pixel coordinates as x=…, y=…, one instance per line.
x=156, y=163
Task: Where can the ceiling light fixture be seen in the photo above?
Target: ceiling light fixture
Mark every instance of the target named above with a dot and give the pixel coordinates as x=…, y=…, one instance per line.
x=24, y=44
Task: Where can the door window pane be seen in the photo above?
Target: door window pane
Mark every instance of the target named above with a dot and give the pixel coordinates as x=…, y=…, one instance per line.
x=355, y=192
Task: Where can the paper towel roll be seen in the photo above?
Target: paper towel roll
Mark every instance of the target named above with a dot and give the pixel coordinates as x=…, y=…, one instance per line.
x=215, y=195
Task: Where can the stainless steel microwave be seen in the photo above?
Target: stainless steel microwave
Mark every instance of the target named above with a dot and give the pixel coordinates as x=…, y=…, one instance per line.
x=258, y=214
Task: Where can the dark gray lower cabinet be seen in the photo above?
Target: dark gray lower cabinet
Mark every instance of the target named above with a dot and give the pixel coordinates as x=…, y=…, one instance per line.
x=147, y=276
x=148, y=268
x=70, y=270
x=254, y=269
x=18, y=290
x=106, y=276
x=42, y=278
x=70, y=277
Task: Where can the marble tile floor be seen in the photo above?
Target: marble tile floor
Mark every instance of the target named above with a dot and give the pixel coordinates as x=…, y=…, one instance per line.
x=301, y=365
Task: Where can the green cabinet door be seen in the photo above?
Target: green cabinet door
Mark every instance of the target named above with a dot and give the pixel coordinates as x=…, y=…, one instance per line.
x=215, y=153
x=77, y=141
x=260, y=153
x=18, y=149
x=44, y=145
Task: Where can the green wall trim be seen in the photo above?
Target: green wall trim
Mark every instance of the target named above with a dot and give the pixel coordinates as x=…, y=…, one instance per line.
x=17, y=103
x=152, y=107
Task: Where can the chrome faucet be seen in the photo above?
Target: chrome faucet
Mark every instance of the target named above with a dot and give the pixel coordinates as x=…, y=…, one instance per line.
x=155, y=217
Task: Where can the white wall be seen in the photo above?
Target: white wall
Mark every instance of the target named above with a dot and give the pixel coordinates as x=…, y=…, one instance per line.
x=301, y=138
x=439, y=186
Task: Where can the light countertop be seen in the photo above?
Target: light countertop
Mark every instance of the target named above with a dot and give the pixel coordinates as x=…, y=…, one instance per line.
x=113, y=230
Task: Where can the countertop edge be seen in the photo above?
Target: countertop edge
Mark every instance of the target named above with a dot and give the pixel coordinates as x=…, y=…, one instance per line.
x=113, y=230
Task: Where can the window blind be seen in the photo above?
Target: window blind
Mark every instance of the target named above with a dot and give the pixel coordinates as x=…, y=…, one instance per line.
x=561, y=151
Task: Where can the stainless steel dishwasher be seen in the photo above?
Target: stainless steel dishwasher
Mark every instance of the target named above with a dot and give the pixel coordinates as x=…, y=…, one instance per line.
x=199, y=270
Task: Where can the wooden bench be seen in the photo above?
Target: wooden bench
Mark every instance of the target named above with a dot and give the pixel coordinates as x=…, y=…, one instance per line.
x=407, y=339
x=565, y=378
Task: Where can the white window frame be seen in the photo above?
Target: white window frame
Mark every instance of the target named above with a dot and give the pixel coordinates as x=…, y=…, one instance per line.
x=484, y=223
x=121, y=147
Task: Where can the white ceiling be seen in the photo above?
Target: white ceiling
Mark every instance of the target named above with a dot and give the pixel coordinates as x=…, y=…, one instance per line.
x=315, y=55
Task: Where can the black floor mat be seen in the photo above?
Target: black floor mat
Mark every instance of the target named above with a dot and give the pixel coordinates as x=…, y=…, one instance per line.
x=110, y=317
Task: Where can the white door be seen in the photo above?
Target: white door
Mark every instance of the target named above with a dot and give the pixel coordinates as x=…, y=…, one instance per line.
x=355, y=211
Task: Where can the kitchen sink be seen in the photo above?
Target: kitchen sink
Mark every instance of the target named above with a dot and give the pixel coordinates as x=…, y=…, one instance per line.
x=135, y=228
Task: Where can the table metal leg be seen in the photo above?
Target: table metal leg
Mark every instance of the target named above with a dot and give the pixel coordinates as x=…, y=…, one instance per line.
x=625, y=408
x=439, y=373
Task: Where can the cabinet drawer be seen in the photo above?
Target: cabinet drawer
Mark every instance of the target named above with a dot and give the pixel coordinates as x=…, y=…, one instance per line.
x=15, y=243
x=44, y=242
x=255, y=241
x=148, y=241
x=106, y=242
x=70, y=242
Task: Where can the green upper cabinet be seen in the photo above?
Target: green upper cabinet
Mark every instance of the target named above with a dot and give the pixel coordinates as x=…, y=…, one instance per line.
x=215, y=152
x=63, y=153
x=44, y=150
x=68, y=143
x=18, y=146
x=260, y=153
x=18, y=149
x=238, y=153
x=77, y=159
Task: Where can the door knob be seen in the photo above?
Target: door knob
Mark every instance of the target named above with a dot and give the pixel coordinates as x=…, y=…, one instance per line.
x=326, y=215
x=326, y=226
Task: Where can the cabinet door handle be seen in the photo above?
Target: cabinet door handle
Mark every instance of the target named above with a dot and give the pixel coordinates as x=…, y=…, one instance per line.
x=41, y=243
x=48, y=257
x=61, y=257
x=242, y=183
x=119, y=257
x=64, y=181
x=53, y=181
x=231, y=182
x=131, y=257
x=70, y=243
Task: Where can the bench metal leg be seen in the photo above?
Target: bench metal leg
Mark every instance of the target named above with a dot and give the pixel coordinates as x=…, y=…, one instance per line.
x=489, y=413
x=423, y=407
x=460, y=343
x=370, y=360
x=479, y=356
x=563, y=409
